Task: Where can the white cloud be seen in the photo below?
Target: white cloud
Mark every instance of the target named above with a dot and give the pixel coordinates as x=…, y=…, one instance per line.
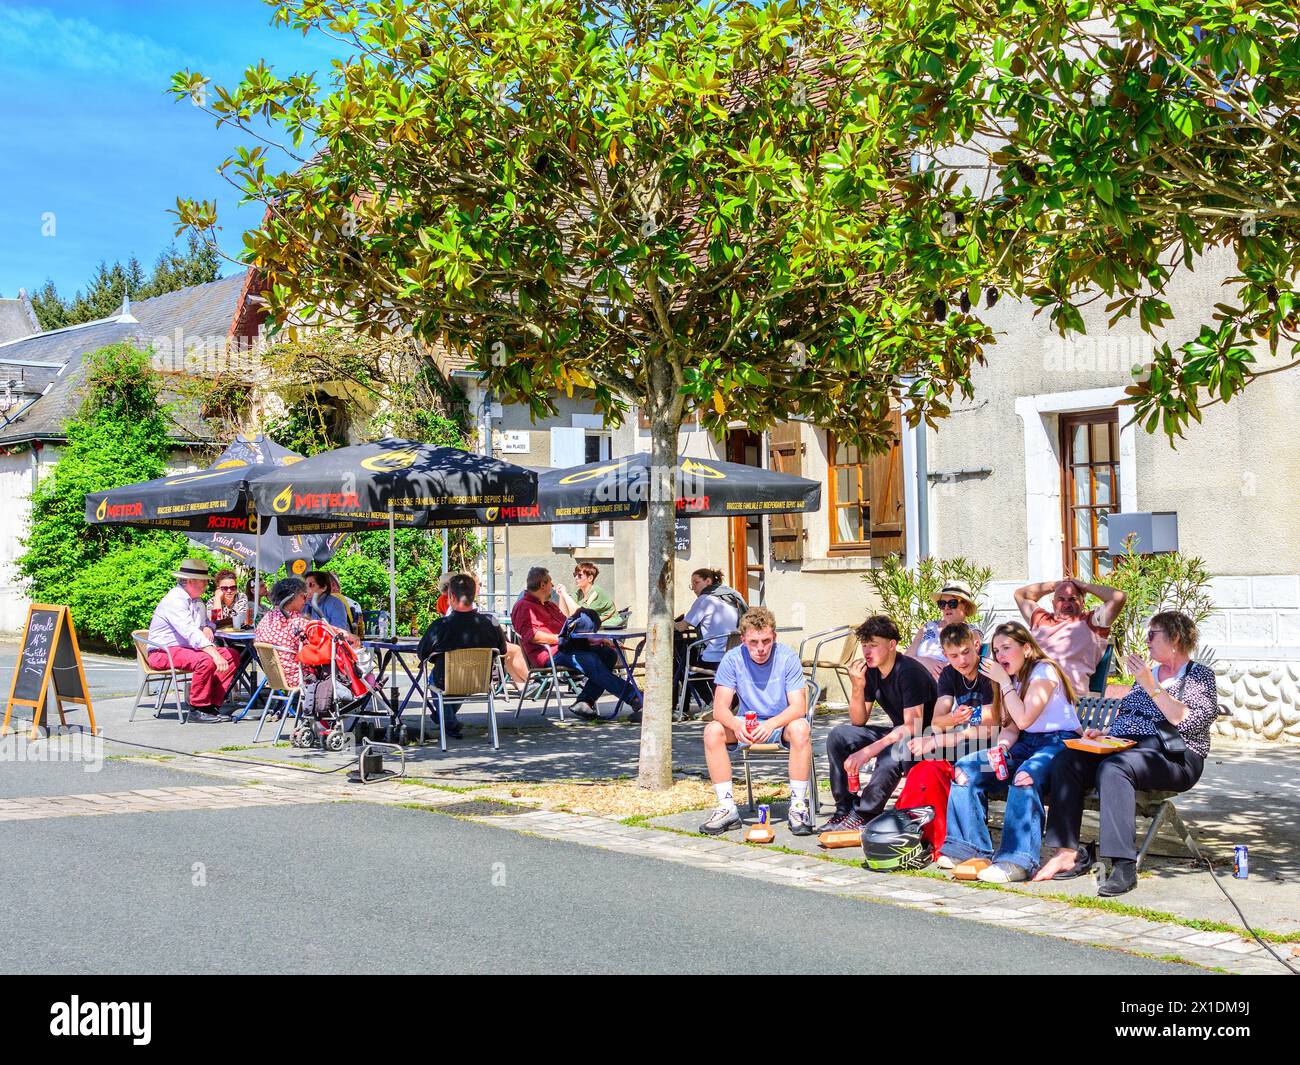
x=38, y=39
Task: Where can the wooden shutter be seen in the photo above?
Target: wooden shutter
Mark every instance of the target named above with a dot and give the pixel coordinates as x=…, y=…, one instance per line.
x=886, y=478
x=785, y=455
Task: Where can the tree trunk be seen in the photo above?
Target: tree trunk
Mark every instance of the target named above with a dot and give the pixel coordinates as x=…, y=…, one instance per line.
x=665, y=414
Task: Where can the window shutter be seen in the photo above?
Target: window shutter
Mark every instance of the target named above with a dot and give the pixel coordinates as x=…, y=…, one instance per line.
x=568, y=448
x=886, y=472
x=785, y=455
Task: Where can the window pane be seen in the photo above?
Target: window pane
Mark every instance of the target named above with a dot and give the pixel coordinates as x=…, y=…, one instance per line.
x=1103, y=475
x=1103, y=564
x=1103, y=533
x=846, y=529
x=1101, y=442
x=843, y=476
x=841, y=455
x=1082, y=491
x=1083, y=566
x=1083, y=528
x=1080, y=452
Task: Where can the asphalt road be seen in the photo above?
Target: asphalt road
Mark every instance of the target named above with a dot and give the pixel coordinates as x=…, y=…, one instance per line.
x=357, y=888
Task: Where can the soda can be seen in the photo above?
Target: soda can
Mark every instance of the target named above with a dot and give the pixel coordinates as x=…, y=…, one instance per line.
x=855, y=782
x=1241, y=862
x=998, y=761
x=763, y=813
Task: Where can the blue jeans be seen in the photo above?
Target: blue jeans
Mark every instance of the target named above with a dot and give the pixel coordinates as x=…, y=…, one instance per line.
x=597, y=665
x=1022, y=829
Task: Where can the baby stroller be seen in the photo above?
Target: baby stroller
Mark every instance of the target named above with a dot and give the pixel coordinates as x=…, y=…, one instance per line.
x=336, y=698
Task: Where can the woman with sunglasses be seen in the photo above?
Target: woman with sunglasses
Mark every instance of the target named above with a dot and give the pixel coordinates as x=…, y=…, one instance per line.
x=956, y=607
x=1168, y=713
x=228, y=608
x=1034, y=702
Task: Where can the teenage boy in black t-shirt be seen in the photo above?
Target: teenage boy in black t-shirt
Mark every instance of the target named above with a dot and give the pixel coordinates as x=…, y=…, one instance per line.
x=463, y=627
x=906, y=692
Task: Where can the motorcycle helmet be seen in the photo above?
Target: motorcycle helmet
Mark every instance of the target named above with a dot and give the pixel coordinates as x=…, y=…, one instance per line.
x=893, y=840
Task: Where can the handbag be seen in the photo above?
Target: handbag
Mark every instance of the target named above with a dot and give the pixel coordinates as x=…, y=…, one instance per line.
x=1171, y=740
x=317, y=645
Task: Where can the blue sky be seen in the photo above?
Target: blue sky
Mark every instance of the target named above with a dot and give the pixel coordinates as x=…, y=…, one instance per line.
x=88, y=132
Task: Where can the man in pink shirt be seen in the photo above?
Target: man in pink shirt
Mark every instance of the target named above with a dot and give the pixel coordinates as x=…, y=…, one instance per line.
x=1074, y=640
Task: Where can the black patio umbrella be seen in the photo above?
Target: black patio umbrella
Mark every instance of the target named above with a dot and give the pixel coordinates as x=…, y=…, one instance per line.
x=211, y=508
x=391, y=482
x=619, y=490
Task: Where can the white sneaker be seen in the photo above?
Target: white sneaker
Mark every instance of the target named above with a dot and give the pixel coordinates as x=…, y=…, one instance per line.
x=799, y=818
x=723, y=819
x=945, y=862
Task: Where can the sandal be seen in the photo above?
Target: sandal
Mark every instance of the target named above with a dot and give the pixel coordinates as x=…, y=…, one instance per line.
x=1084, y=860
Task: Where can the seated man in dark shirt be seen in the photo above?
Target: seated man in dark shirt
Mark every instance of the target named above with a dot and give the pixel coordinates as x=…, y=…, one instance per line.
x=463, y=627
x=906, y=692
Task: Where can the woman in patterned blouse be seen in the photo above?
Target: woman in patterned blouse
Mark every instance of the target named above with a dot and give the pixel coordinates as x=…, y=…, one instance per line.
x=1180, y=693
x=283, y=625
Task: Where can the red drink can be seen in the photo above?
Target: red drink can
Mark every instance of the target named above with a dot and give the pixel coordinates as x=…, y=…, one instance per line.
x=998, y=761
x=751, y=720
x=855, y=782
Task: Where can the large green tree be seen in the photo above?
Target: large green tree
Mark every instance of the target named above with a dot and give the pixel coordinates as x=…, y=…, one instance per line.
x=675, y=205
x=1106, y=146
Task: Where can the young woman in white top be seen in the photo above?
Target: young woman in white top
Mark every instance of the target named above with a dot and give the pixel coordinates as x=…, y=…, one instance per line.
x=1034, y=697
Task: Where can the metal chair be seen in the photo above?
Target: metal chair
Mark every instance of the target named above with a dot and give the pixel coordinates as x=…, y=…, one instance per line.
x=697, y=671
x=466, y=672
x=776, y=751
x=836, y=663
x=277, y=688
x=547, y=678
x=171, y=677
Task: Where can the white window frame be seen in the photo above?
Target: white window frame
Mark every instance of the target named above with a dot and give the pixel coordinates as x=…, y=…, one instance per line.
x=594, y=425
x=1045, y=531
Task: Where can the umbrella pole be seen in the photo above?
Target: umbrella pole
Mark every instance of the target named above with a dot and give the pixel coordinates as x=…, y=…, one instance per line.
x=509, y=600
x=392, y=577
x=257, y=575
x=392, y=605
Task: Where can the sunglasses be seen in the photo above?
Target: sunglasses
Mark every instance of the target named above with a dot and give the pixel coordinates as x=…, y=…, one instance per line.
x=226, y=587
x=949, y=604
x=1153, y=634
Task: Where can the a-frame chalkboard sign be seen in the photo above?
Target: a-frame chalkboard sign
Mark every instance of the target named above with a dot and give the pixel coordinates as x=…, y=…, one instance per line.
x=49, y=652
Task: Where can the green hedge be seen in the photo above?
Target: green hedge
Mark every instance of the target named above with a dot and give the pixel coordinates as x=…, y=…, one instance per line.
x=118, y=593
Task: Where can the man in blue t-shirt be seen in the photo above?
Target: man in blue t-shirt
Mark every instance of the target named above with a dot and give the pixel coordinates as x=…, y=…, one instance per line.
x=768, y=680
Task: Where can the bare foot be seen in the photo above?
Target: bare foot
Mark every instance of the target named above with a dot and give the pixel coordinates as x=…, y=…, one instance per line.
x=1057, y=863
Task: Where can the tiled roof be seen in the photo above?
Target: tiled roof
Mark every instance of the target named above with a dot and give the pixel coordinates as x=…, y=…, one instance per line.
x=204, y=311
x=16, y=320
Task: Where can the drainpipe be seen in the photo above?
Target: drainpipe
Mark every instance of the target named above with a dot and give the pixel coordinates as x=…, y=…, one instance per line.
x=922, y=494
x=36, y=463
x=485, y=428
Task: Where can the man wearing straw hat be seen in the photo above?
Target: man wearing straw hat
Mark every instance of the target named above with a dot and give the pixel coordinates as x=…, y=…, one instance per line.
x=180, y=628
